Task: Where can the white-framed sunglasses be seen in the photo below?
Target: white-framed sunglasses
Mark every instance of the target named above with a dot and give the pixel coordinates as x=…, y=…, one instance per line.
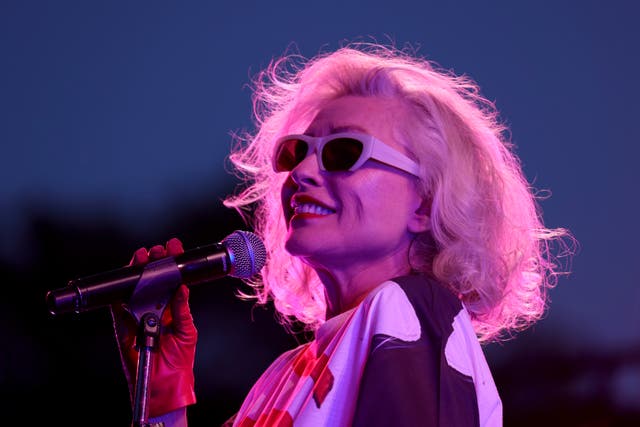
x=338, y=152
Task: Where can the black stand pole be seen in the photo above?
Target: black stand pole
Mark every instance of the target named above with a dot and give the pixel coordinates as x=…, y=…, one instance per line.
x=156, y=286
x=148, y=337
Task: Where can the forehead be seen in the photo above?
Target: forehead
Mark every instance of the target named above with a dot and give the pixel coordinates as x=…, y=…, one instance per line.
x=372, y=115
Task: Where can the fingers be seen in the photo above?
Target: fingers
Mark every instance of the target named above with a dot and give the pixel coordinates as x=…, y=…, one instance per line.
x=156, y=252
x=173, y=247
x=140, y=256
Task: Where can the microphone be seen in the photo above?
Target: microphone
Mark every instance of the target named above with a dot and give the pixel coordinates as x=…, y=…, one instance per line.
x=241, y=254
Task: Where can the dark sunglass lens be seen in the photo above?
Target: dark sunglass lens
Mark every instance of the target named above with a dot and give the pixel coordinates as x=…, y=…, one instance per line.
x=341, y=153
x=290, y=153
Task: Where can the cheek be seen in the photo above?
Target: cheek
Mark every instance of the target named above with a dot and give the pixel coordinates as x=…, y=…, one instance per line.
x=389, y=200
x=352, y=194
x=354, y=203
x=286, y=192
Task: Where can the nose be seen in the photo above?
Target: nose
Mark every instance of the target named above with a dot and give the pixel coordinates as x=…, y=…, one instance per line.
x=307, y=171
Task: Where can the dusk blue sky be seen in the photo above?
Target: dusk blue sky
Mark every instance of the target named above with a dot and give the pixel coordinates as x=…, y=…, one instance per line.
x=125, y=109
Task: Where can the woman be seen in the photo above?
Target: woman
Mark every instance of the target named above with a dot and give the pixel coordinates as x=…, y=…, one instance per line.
x=399, y=228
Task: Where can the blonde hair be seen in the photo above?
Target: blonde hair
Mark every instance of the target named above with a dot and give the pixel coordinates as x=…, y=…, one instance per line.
x=487, y=244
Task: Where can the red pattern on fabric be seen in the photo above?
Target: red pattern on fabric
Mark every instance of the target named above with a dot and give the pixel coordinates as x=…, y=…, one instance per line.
x=275, y=418
x=307, y=364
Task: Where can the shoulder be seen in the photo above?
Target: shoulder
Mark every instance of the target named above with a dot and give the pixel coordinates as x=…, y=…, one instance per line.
x=428, y=293
x=406, y=307
x=431, y=301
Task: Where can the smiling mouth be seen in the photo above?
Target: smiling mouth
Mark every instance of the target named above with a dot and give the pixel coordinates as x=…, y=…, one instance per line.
x=310, y=209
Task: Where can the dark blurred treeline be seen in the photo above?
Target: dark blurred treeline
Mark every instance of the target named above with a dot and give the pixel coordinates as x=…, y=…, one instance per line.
x=65, y=370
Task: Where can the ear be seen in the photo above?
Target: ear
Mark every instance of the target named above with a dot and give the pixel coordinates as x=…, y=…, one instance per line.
x=420, y=219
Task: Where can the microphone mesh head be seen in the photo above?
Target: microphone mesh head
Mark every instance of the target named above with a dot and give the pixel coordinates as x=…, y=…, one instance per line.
x=246, y=252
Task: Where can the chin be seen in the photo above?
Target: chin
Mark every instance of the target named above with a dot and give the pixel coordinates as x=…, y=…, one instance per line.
x=295, y=247
x=302, y=244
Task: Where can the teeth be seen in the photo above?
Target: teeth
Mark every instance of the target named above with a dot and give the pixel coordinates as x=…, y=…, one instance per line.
x=311, y=208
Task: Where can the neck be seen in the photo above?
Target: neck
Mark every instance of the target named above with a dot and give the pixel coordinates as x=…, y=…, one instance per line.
x=346, y=287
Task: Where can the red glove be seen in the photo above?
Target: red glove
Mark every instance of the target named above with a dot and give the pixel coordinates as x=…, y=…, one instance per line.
x=171, y=382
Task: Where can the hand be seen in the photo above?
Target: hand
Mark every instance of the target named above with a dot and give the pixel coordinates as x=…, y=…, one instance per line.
x=171, y=382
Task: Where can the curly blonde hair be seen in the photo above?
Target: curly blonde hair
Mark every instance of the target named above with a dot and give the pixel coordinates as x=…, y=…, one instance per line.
x=487, y=241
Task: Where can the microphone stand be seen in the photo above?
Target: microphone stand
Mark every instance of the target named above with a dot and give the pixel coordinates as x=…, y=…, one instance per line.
x=157, y=284
x=148, y=335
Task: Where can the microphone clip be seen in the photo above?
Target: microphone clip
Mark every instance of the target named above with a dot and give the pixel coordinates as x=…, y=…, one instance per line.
x=156, y=286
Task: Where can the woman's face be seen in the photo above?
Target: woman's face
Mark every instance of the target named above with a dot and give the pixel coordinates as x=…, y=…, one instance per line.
x=343, y=219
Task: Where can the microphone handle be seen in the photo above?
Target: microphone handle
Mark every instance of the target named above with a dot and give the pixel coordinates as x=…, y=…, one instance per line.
x=196, y=266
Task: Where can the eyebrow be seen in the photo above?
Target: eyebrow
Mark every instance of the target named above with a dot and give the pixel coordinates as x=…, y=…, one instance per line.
x=340, y=129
